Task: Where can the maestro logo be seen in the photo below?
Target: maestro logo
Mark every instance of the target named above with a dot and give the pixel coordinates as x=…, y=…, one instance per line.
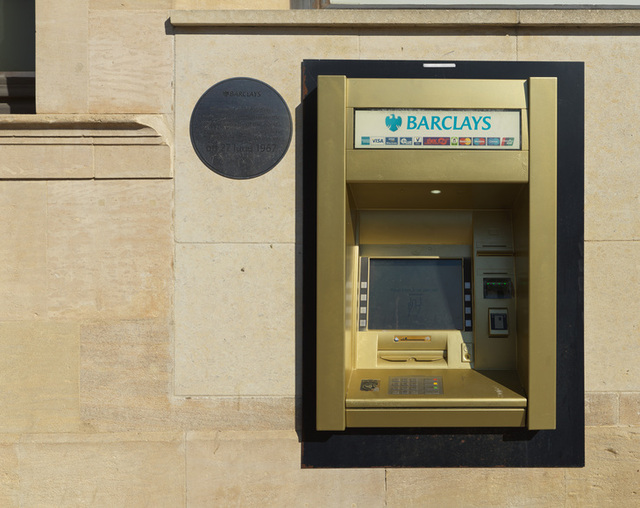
x=393, y=122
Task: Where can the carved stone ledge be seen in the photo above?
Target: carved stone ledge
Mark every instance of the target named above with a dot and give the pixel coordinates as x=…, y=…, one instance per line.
x=85, y=129
x=85, y=146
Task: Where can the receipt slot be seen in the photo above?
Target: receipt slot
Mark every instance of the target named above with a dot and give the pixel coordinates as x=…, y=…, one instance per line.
x=436, y=253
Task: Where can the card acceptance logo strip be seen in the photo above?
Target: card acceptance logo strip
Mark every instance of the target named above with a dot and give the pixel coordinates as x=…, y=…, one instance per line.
x=437, y=129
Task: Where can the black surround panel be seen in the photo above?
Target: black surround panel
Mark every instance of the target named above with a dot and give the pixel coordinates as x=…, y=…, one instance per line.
x=451, y=447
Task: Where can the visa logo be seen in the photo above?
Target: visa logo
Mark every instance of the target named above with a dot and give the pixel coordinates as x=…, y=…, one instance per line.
x=377, y=141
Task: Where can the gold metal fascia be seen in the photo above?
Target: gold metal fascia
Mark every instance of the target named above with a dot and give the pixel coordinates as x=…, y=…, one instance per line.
x=415, y=227
x=542, y=255
x=463, y=388
x=436, y=417
x=451, y=196
x=437, y=93
x=477, y=166
x=331, y=272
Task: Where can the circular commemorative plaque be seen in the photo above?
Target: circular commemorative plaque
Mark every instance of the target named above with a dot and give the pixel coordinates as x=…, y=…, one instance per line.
x=240, y=128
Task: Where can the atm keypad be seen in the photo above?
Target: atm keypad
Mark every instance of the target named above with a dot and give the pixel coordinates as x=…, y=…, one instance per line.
x=415, y=385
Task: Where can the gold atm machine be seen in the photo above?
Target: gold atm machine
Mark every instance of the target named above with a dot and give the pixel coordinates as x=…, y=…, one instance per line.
x=436, y=253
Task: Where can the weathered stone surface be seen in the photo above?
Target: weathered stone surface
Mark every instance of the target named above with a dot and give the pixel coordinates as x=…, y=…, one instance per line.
x=23, y=229
x=133, y=161
x=611, y=181
x=146, y=5
x=475, y=487
x=125, y=376
x=62, y=28
x=39, y=366
x=232, y=4
x=69, y=146
x=352, y=19
x=131, y=60
x=235, y=319
x=9, y=477
x=630, y=408
x=611, y=287
x=133, y=469
x=234, y=413
x=601, y=408
x=126, y=385
x=494, y=45
x=109, y=249
x=46, y=161
x=263, y=469
x=611, y=476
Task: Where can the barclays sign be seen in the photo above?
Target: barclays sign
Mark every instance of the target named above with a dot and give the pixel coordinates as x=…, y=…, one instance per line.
x=429, y=129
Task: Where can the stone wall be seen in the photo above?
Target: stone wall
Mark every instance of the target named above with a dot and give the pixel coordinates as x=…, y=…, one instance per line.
x=150, y=338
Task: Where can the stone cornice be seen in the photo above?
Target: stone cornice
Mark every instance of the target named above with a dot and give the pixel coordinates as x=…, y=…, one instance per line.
x=398, y=19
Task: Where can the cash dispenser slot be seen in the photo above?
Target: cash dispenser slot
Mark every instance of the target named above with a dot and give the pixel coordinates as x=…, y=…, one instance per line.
x=399, y=347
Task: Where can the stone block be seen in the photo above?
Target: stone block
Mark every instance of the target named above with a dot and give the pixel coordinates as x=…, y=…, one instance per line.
x=263, y=469
x=235, y=320
x=23, y=257
x=46, y=161
x=232, y=4
x=133, y=161
x=126, y=385
x=131, y=60
x=146, y=5
x=136, y=469
x=611, y=287
x=611, y=476
x=9, y=478
x=125, y=376
x=630, y=408
x=234, y=413
x=611, y=200
x=62, y=28
x=211, y=208
x=109, y=249
x=39, y=365
x=187, y=413
x=601, y=408
x=494, y=44
x=472, y=487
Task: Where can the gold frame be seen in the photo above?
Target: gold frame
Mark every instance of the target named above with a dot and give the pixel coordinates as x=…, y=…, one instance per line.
x=526, y=181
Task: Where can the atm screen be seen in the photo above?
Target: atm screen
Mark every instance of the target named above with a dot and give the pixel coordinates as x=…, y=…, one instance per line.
x=416, y=294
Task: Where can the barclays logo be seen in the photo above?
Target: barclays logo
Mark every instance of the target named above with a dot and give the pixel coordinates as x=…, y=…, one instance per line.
x=393, y=122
